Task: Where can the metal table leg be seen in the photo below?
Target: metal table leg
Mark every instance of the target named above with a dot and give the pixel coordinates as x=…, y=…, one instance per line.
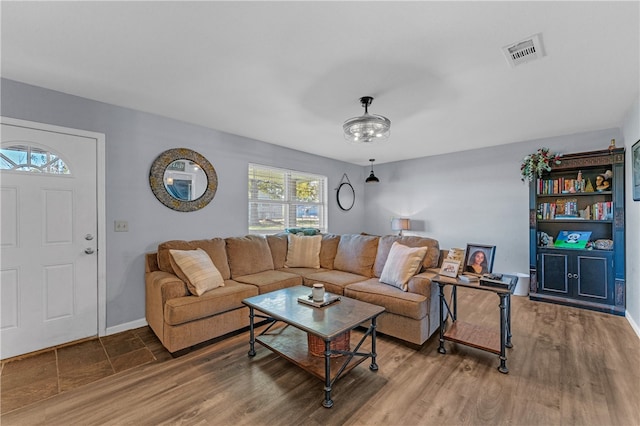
x=509, y=344
x=373, y=366
x=441, y=348
x=252, y=340
x=328, y=402
x=503, y=333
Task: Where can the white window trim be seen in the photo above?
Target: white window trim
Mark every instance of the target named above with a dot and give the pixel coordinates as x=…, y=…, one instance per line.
x=323, y=204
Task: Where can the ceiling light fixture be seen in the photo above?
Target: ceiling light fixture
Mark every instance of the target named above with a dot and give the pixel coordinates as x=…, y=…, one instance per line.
x=372, y=178
x=368, y=127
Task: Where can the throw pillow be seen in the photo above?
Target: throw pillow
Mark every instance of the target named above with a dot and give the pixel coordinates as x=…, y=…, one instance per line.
x=303, y=251
x=196, y=269
x=402, y=263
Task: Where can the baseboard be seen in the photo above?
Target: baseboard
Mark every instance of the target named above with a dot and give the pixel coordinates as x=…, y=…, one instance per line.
x=634, y=324
x=126, y=326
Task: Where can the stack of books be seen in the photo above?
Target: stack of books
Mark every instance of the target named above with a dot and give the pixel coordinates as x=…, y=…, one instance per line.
x=499, y=280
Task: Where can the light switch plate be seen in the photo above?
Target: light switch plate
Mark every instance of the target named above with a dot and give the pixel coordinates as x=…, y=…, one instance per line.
x=121, y=226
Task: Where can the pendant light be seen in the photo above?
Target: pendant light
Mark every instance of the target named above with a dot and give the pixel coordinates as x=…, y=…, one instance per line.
x=372, y=178
x=367, y=128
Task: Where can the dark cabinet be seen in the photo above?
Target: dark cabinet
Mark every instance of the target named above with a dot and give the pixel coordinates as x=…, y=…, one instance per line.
x=586, y=275
x=593, y=275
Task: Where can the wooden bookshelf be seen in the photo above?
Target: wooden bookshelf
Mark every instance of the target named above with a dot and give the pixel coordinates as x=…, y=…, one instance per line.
x=587, y=278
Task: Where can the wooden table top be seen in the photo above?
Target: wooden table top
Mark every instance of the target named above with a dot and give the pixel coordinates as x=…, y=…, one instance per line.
x=471, y=284
x=326, y=322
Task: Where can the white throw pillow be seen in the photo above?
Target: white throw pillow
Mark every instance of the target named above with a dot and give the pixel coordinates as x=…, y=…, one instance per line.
x=402, y=263
x=197, y=270
x=303, y=251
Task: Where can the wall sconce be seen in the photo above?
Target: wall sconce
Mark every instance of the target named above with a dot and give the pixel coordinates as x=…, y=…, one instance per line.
x=400, y=224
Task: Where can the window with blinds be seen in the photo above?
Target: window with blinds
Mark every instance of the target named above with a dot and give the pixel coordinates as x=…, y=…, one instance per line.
x=281, y=198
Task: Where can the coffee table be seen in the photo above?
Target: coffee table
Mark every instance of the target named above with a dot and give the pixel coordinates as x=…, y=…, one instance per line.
x=328, y=323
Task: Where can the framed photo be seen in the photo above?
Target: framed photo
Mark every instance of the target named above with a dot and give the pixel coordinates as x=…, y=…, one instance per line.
x=478, y=259
x=450, y=268
x=635, y=164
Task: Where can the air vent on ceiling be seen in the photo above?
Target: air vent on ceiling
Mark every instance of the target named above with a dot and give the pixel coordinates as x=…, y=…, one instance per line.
x=524, y=51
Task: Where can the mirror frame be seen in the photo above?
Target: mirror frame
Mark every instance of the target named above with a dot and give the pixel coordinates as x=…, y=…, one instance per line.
x=353, y=192
x=156, y=179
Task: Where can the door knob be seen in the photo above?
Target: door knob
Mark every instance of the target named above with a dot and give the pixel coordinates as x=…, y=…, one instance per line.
x=88, y=250
x=88, y=237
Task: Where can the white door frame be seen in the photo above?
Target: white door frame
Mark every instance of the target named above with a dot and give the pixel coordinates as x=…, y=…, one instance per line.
x=100, y=182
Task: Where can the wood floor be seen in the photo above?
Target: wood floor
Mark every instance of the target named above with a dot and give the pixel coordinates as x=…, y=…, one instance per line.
x=568, y=367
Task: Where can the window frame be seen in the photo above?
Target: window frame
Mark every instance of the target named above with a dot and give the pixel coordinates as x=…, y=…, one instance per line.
x=288, y=201
x=30, y=150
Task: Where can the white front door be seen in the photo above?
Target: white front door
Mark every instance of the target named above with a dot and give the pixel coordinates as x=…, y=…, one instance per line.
x=48, y=239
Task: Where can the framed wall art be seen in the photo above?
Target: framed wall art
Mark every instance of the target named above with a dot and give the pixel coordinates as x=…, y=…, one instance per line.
x=635, y=164
x=478, y=259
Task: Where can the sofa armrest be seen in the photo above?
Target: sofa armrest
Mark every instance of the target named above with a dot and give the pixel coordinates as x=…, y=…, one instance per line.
x=421, y=283
x=161, y=286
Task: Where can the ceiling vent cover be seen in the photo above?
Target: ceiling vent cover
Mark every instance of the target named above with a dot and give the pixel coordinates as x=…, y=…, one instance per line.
x=524, y=51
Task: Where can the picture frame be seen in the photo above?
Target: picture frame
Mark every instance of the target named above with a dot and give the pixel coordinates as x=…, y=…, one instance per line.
x=450, y=268
x=635, y=164
x=485, y=266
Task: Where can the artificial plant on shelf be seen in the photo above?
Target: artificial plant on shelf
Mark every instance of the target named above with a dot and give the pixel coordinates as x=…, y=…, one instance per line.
x=538, y=163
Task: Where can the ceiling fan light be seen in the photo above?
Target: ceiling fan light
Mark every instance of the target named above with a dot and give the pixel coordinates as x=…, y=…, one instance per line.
x=367, y=127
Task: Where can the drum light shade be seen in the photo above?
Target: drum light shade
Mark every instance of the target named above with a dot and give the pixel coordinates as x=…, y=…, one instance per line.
x=400, y=224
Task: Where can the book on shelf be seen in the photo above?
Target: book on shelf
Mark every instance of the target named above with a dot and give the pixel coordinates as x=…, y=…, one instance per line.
x=560, y=186
x=602, y=210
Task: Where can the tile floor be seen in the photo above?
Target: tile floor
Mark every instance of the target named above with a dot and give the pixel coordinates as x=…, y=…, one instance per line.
x=29, y=379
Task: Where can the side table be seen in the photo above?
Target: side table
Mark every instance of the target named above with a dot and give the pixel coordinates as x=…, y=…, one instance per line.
x=474, y=335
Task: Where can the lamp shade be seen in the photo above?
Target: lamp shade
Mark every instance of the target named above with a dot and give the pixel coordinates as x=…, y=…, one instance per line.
x=400, y=224
x=372, y=178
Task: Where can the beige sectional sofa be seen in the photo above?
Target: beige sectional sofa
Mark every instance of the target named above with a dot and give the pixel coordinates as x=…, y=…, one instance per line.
x=349, y=265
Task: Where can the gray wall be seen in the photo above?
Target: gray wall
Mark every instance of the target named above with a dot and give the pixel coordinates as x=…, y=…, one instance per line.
x=470, y=197
x=466, y=197
x=477, y=197
x=133, y=140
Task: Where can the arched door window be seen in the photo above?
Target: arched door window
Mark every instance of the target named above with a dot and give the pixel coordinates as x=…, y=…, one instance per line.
x=27, y=158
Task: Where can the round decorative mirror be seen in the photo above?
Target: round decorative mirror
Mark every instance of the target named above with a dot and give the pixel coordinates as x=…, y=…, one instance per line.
x=183, y=180
x=346, y=196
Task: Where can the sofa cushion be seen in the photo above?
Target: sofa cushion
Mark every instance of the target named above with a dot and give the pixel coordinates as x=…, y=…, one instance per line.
x=402, y=263
x=356, y=254
x=303, y=272
x=278, y=246
x=334, y=281
x=303, y=251
x=215, y=248
x=222, y=299
x=328, y=250
x=195, y=268
x=267, y=281
x=394, y=300
x=384, y=246
x=248, y=255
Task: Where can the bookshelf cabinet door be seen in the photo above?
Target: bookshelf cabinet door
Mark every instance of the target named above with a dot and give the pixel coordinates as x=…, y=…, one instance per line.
x=595, y=278
x=555, y=275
